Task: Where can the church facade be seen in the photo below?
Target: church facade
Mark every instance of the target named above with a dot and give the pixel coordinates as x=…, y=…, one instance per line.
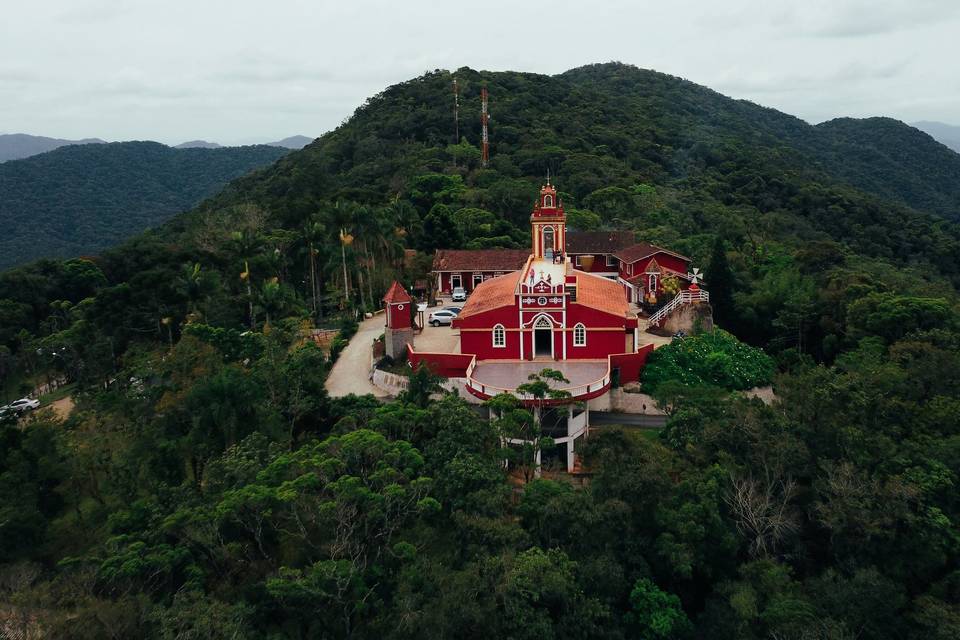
x=547, y=310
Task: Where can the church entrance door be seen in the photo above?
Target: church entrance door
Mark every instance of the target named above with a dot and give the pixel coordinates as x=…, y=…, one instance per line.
x=542, y=338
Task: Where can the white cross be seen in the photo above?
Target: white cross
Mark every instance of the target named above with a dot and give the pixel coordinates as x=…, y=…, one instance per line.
x=696, y=276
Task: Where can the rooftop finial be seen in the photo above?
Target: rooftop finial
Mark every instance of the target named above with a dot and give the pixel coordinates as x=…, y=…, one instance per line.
x=548, y=176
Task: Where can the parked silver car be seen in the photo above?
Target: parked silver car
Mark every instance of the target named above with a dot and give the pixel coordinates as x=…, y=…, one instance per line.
x=443, y=316
x=459, y=294
x=20, y=406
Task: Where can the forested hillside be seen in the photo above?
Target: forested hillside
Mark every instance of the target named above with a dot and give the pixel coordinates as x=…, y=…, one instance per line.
x=80, y=200
x=206, y=486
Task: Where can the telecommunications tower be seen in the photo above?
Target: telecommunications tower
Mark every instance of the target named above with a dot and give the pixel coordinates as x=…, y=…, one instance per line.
x=484, y=139
x=456, y=112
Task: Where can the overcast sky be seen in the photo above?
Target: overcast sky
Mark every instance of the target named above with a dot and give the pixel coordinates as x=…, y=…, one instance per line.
x=242, y=70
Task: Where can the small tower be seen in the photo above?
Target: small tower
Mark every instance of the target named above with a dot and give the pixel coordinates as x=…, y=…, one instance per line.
x=399, y=318
x=549, y=224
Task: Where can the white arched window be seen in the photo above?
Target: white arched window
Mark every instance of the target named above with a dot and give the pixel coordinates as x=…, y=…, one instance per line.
x=548, y=201
x=543, y=322
x=579, y=335
x=499, y=336
x=548, y=240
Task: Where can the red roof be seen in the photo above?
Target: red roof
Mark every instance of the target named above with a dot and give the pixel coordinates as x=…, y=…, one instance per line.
x=397, y=294
x=491, y=294
x=587, y=242
x=643, y=250
x=480, y=259
x=601, y=293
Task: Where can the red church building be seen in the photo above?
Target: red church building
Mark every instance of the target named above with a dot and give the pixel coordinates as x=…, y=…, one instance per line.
x=563, y=310
x=546, y=314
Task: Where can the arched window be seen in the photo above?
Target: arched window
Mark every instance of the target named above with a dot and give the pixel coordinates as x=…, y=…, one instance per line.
x=579, y=335
x=548, y=201
x=548, y=241
x=499, y=336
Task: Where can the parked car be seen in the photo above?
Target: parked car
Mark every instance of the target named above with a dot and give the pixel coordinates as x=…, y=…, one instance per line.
x=20, y=406
x=455, y=310
x=459, y=294
x=443, y=316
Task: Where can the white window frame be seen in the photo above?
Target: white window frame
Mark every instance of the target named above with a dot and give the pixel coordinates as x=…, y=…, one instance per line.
x=581, y=339
x=652, y=282
x=499, y=332
x=547, y=201
x=611, y=261
x=576, y=261
x=477, y=278
x=456, y=280
x=630, y=269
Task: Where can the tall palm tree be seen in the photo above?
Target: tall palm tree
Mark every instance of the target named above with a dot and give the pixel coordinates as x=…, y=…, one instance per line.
x=246, y=244
x=314, y=233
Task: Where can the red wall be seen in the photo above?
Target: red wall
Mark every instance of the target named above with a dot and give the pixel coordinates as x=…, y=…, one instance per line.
x=663, y=259
x=600, y=344
x=481, y=342
x=448, y=365
x=398, y=318
x=631, y=364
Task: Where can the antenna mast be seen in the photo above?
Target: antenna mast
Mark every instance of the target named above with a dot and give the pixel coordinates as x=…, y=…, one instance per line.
x=456, y=112
x=485, y=141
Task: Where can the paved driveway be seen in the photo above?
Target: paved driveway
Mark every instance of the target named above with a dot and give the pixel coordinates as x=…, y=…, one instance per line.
x=351, y=372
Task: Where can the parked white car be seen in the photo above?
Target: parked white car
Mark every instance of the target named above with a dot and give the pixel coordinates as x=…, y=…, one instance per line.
x=443, y=316
x=20, y=406
x=459, y=294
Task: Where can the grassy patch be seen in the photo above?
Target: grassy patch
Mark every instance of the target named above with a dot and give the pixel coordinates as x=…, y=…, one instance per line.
x=59, y=394
x=651, y=434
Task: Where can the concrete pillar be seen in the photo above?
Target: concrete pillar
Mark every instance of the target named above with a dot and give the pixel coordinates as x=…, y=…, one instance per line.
x=536, y=460
x=570, y=455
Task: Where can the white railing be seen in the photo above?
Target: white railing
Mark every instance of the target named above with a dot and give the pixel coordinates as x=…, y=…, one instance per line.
x=684, y=297
x=575, y=392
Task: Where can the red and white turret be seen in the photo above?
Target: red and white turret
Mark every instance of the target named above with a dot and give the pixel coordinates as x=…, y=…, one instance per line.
x=549, y=224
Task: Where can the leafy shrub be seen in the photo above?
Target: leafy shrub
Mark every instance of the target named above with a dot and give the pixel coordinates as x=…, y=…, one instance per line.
x=714, y=358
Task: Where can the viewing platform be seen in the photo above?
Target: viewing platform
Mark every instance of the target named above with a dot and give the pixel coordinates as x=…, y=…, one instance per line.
x=588, y=378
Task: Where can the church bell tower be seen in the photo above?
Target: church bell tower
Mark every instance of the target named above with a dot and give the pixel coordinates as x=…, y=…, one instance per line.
x=548, y=223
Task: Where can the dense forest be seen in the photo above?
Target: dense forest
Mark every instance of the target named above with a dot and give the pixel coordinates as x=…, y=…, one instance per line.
x=206, y=487
x=81, y=199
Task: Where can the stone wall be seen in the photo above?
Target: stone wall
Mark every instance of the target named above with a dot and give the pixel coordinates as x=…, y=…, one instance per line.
x=688, y=316
x=395, y=341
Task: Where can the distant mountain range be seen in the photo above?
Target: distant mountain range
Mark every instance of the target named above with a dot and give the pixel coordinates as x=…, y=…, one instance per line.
x=81, y=199
x=293, y=142
x=946, y=134
x=198, y=144
x=21, y=145
x=15, y=146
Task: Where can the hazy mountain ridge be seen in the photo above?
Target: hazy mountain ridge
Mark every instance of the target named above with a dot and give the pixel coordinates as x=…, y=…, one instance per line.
x=946, y=134
x=14, y=146
x=291, y=142
x=198, y=144
x=82, y=199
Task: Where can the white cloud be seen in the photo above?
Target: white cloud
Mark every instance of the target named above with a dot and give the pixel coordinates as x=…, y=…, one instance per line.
x=238, y=69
